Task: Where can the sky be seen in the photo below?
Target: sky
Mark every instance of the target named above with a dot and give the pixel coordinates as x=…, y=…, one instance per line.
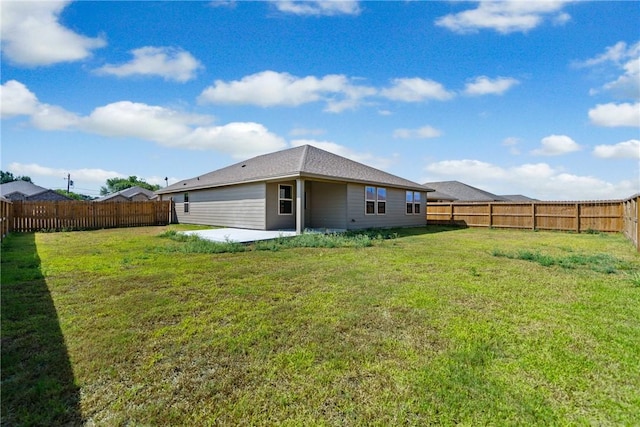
x=536, y=98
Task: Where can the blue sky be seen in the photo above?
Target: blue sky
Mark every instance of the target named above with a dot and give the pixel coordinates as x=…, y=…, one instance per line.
x=537, y=98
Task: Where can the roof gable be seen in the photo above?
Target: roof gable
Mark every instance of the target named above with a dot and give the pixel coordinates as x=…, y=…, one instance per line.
x=303, y=161
x=25, y=187
x=128, y=193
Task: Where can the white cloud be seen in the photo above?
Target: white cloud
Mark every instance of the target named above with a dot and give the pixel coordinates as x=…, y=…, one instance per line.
x=16, y=100
x=366, y=158
x=539, y=180
x=504, y=16
x=615, y=115
x=238, y=139
x=270, y=88
x=32, y=36
x=52, y=117
x=616, y=54
x=164, y=126
x=556, y=145
x=34, y=171
x=625, y=59
x=318, y=7
x=167, y=62
x=512, y=143
x=137, y=120
x=420, y=133
x=485, y=86
x=416, y=90
x=622, y=150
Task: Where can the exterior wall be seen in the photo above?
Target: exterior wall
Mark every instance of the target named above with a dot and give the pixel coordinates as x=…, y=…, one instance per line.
x=241, y=206
x=326, y=205
x=274, y=220
x=118, y=198
x=396, y=210
x=15, y=196
x=140, y=197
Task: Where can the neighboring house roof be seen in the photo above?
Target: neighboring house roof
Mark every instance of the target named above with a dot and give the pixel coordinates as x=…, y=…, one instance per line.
x=301, y=162
x=128, y=193
x=438, y=195
x=26, y=190
x=465, y=193
x=519, y=198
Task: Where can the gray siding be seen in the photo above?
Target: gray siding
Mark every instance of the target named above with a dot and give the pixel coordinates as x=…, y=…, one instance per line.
x=327, y=205
x=396, y=210
x=275, y=221
x=241, y=206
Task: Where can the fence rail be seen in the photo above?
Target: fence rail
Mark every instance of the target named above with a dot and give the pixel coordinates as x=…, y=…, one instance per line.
x=605, y=216
x=26, y=216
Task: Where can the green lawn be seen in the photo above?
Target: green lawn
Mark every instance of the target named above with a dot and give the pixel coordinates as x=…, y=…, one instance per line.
x=432, y=326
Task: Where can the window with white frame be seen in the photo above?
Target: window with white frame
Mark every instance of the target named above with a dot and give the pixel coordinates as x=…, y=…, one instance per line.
x=186, y=203
x=285, y=199
x=375, y=200
x=414, y=201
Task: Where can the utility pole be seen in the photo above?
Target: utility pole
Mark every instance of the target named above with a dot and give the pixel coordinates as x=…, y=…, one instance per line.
x=69, y=183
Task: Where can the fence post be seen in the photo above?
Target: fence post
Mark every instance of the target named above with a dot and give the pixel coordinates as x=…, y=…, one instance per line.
x=577, y=217
x=533, y=216
x=490, y=214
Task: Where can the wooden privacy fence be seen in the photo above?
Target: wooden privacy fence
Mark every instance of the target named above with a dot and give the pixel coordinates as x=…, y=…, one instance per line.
x=79, y=215
x=5, y=217
x=606, y=216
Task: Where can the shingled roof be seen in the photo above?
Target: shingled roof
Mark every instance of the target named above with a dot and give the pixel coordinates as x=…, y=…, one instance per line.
x=306, y=162
x=25, y=190
x=128, y=193
x=465, y=193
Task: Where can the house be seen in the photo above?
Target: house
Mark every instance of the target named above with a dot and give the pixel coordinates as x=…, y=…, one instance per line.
x=131, y=194
x=439, y=196
x=464, y=193
x=519, y=198
x=298, y=188
x=25, y=190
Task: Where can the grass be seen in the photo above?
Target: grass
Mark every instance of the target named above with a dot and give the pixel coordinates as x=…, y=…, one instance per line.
x=432, y=326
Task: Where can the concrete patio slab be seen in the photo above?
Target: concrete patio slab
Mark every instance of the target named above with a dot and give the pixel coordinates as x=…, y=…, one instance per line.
x=239, y=235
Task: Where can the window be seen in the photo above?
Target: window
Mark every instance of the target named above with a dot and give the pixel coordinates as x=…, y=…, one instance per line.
x=414, y=201
x=285, y=199
x=375, y=200
x=409, y=202
x=382, y=201
x=186, y=203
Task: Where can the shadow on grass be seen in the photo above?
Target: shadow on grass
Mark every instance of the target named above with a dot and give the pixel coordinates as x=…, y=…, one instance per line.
x=38, y=386
x=428, y=229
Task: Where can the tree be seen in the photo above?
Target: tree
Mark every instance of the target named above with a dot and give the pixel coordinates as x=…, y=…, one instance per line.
x=8, y=177
x=118, y=184
x=74, y=196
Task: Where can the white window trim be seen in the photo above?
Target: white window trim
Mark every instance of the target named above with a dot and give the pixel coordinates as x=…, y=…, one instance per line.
x=375, y=200
x=186, y=209
x=286, y=200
